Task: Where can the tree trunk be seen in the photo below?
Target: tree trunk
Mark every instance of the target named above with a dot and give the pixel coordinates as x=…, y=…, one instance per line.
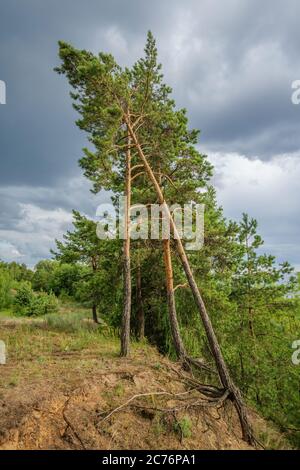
x=250, y=322
x=179, y=347
x=140, y=307
x=212, y=339
x=125, y=330
x=94, y=311
x=94, y=306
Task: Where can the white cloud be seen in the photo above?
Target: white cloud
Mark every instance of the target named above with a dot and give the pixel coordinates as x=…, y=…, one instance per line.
x=115, y=40
x=230, y=63
x=9, y=252
x=33, y=217
x=34, y=234
x=267, y=191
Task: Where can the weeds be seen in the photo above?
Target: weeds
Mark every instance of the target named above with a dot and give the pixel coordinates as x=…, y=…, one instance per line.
x=183, y=427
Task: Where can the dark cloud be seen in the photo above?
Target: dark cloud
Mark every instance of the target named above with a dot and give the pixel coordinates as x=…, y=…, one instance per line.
x=231, y=63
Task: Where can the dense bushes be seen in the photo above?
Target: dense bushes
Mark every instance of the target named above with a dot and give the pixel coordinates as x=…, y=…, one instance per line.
x=59, y=278
x=10, y=276
x=29, y=303
x=5, y=289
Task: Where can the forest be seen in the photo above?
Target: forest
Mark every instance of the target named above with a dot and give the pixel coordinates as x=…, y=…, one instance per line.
x=227, y=313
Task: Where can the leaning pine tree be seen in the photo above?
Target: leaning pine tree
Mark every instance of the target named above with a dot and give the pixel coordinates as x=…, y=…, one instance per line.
x=116, y=105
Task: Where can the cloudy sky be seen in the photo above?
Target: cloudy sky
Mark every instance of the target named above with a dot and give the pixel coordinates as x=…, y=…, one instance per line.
x=230, y=63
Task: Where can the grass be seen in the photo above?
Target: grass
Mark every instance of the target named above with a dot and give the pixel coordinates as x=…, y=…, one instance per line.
x=68, y=341
x=7, y=313
x=65, y=350
x=68, y=322
x=24, y=342
x=37, y=350
x=71, y=330
x=183, y=427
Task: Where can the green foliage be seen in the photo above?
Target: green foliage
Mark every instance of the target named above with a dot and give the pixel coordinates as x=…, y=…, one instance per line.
x=87, y=265
x=183, y=427
x=10, y=275
x=59, y=278
x=6, y=284
x=42, y=277
x=67, y=322
x=251, y=300
x=43, y=303
x=24, y=296
x=29, y=303
x=19, y=272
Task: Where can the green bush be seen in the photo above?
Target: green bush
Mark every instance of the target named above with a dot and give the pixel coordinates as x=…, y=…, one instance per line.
x=23, y=299
x=43, y=303
x=5, y=289
x=28, y=303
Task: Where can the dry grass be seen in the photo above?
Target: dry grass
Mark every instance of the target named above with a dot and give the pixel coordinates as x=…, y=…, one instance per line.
x=60, y=382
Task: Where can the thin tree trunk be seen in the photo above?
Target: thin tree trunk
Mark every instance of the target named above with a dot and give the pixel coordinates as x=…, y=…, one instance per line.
x=140, y=306
x=177, y=340
x=250, y=308
x=94, y=311
x=250, y=322
x=94, y=306
x=212, y=339
x=125, y=331
x=179, y=347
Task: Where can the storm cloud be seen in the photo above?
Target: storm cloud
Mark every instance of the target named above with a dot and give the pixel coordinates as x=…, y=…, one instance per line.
x=230, y=63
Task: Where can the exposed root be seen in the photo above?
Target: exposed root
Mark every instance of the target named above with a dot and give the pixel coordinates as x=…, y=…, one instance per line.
x=187, y=401
x=70, y=425
x=232, y=394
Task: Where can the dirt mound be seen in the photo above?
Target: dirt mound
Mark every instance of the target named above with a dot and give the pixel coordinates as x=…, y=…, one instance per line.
x=72, y=391
x=106, y=411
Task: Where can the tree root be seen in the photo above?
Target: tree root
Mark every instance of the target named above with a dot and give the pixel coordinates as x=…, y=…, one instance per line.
x=233, y=394
x=70, y=425
x=187, y=401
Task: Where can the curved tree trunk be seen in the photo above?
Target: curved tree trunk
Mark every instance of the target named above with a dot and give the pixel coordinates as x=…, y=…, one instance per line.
x=224, y=375
x=125, y=330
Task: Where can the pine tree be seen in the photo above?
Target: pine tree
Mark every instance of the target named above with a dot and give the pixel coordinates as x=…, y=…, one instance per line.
x=114, y=105
x=83, y=246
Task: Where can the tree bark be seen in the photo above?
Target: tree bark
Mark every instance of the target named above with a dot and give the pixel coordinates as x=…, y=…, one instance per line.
x=125, y=330
x=140, y=306
x=250, y=322
x=179, y=347
x=94, y=311
x=94, y=306
x=224, y=375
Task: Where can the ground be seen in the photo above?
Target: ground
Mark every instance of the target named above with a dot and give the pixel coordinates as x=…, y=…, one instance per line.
x=65, y=387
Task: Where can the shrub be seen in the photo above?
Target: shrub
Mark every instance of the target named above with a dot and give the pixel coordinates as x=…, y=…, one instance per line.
x=23, y=299
x=42, y=304
x=5, y=289
x=28, y=303
x=183, y=427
